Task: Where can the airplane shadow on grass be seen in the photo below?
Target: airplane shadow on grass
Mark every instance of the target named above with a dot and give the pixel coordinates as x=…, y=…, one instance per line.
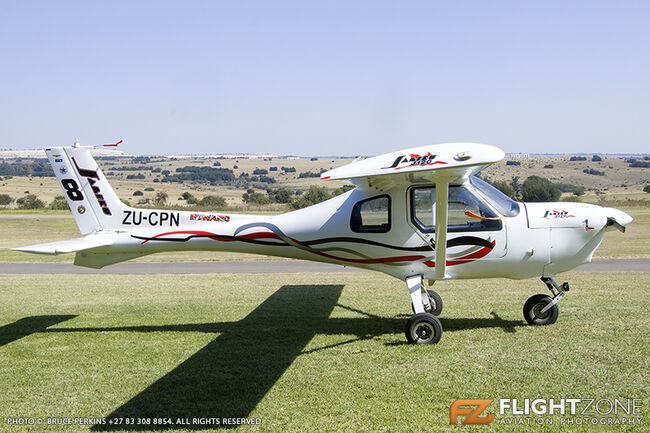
x=28, y=326
x=230, y=375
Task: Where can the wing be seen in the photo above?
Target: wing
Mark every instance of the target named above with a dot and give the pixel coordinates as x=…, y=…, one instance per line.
x=441, y=164
x=419, y=164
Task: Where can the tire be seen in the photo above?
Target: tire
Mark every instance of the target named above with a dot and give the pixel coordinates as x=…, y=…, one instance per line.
x=534, y=305
x=436, y=302
x=423, y=328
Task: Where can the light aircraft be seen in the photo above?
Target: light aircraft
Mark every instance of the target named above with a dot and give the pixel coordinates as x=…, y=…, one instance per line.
x=417, y=214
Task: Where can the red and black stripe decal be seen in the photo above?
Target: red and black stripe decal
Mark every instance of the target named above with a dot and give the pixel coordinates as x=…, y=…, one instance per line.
x=277, y=238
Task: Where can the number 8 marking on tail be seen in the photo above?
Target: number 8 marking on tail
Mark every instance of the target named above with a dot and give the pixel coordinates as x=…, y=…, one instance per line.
x=72, y=189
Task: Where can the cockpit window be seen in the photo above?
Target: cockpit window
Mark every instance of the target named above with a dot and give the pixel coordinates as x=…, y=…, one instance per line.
x=371, y=215
x=503, y=204
x=466, y=211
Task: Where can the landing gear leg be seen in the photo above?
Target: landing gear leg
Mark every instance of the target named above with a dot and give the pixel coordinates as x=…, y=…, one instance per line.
x=542, y=309
x=423, y=327
x=435, y=303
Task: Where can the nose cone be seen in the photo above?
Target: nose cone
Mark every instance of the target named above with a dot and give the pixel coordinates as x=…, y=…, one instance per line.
x=617, y=218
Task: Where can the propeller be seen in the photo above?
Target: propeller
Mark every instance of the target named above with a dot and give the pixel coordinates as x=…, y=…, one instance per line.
x=611, y=221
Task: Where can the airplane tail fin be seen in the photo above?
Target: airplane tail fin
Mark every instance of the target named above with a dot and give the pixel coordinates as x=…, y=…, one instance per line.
x=93, y=203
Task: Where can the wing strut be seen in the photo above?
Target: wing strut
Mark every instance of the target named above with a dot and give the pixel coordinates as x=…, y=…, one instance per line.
x=442, y=194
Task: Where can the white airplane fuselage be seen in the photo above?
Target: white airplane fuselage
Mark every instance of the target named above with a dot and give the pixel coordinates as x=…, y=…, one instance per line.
x=542, y=239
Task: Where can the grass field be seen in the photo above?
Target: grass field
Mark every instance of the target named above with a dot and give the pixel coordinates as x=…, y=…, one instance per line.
x=308, y=353
x=25, y=228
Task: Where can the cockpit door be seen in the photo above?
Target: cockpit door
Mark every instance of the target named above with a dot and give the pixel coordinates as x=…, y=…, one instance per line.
x=474, y=229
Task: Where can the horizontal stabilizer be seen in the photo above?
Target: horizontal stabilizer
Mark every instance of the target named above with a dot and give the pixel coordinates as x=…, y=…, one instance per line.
x=68, y=246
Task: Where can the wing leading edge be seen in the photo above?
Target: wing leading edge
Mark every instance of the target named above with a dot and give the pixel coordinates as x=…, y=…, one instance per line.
x=418, y=164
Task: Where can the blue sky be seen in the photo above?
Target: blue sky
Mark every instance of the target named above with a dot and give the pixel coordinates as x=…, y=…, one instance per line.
x=325, y=78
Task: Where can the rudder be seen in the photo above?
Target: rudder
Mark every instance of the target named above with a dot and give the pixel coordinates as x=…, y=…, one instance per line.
x=93, y=203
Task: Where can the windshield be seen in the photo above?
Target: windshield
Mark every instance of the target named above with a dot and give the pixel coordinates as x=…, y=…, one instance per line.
x=503, y=204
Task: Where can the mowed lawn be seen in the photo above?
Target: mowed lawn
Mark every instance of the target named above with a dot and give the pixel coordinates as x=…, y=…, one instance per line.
x=310, y=352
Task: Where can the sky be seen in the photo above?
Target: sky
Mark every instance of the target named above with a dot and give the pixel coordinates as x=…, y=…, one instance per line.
x=325, y=77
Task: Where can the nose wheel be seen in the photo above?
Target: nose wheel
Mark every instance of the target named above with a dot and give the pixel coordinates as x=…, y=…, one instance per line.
x=542, y=309
x=535, y=313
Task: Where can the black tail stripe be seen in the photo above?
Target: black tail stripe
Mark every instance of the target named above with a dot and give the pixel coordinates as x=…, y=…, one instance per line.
x=234, y=238
x=463, y=240
x=364, y=241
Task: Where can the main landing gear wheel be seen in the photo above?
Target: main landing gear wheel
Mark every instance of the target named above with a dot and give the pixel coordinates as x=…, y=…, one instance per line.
x=533, y=310
x=435, y=301
x=423, y=328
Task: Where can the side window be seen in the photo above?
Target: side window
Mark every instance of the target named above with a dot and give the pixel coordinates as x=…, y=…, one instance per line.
x=371, y=215
x=422, y=207
x=466, y=211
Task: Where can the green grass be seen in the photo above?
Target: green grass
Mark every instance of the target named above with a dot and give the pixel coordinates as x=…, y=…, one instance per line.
x=308, y=353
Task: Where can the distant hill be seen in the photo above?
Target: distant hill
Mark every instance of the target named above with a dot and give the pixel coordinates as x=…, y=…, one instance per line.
x=39, y=153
